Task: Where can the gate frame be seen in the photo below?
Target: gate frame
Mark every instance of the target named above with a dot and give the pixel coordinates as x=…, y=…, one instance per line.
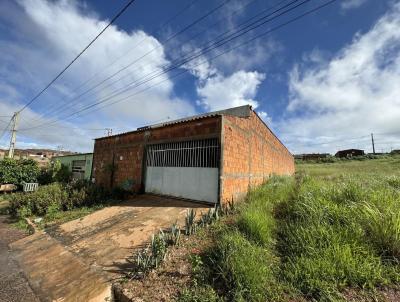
x=148, y=142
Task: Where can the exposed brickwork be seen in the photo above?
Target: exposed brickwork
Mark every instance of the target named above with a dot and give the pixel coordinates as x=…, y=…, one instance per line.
x=126, y=151
x=251, y=153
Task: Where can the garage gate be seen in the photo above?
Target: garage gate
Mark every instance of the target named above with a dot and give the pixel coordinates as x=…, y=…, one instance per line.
x=187, y=169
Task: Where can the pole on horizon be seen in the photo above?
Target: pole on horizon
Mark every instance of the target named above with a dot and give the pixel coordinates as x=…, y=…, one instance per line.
x=373, y=143
x=13, y=135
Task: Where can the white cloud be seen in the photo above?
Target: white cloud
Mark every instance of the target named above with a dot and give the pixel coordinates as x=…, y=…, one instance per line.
x=353, y=94
x=220, y=92
x=351, y=4
x=46, y=35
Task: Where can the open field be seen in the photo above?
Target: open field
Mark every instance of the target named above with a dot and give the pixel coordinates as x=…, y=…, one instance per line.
x=331, y=233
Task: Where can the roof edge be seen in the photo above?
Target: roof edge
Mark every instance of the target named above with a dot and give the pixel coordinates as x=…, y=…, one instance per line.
x=239, y=111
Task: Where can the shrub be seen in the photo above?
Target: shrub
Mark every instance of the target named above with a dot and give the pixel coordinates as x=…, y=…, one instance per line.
x=18, y=171
x=57, y=196
x=38, y=202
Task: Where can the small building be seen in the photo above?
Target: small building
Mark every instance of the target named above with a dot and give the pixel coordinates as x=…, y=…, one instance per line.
x=80, y=165
x=349, y=153
x=213, y=157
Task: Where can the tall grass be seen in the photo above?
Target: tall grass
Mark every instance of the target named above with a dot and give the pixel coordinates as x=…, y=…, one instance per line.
x=313, y=236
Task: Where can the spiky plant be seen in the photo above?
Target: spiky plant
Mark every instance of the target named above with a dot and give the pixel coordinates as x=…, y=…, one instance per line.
x=174, y=234
x=190, y=225
x=158, y=248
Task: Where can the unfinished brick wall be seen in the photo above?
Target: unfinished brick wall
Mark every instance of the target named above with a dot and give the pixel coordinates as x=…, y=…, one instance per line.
x=251, y=153
x=119, y=159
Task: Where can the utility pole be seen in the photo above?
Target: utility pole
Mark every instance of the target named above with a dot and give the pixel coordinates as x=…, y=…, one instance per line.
x=13, y=134
x=373, y=144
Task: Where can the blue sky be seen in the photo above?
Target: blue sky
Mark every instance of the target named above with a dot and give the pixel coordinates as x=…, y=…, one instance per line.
x=322, y=83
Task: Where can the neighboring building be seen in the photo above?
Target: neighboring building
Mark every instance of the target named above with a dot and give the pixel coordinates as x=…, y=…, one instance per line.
x=213, y=157
x=2, y=154
x=349, y=153
x=79, y=164
x=42, y=161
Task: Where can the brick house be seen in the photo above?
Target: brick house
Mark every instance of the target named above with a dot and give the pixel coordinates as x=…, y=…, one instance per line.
x=213, y=157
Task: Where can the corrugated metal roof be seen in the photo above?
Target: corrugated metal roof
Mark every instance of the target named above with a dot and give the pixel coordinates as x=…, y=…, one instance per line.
x=241, y=111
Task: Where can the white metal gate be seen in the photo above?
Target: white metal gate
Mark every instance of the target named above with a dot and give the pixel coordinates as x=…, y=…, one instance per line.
x=186, y=169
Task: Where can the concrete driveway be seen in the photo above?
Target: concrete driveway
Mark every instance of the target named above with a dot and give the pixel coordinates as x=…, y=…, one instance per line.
x=78, y=260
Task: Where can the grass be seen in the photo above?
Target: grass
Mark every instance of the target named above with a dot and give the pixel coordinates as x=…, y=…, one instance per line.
x=331, y=229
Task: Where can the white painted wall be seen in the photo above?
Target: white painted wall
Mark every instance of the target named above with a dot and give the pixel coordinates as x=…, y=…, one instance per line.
x=186, y=182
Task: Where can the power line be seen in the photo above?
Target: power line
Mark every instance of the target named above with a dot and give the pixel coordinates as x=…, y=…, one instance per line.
x=200, y=53
x=211, y=47
x=56, y=107
x=170, y=38
x=5, y=129
x=65, y=68
x=220, y=54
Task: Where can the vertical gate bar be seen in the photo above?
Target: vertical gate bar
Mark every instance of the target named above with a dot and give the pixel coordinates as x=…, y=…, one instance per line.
x=203, y=155
x=206, y=153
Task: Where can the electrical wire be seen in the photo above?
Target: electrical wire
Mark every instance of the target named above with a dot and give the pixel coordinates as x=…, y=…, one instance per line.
x=87, y=46
x=213, y=46
x=56, y=106
x=74, y=100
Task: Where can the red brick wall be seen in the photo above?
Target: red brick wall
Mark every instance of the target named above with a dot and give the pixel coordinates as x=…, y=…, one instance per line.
x=128, y=149
x=251, y=153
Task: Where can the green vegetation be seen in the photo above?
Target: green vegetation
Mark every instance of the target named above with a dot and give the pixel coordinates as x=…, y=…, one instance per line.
x=57, y=202
x=331, y=229
x=18, y=171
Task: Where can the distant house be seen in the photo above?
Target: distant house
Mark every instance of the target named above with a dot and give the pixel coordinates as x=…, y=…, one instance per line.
x=80, y=165
x=349, y=153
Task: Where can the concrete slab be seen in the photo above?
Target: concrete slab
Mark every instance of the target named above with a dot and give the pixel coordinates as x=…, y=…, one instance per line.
x=13, y=285
x=78, y=260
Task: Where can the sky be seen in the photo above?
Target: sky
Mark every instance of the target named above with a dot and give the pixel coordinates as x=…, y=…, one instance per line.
x=322, y=83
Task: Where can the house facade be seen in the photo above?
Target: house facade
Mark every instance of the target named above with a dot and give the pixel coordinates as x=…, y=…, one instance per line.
x=213, y=157
x=80, y=165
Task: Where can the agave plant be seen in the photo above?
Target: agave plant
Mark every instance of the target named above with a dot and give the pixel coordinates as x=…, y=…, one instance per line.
x=143, y=261
x=174, y=234
x=158, y=248
x=190, y=225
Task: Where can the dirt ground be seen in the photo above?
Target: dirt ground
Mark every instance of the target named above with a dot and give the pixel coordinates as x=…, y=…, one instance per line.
x=13, y=285
x=174, y=275
x=72, y=260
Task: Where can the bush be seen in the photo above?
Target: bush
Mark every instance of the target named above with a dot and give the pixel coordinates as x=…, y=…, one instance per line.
x=38, y=202
x=18, y=171
x=56, y=196
x=55, y=172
